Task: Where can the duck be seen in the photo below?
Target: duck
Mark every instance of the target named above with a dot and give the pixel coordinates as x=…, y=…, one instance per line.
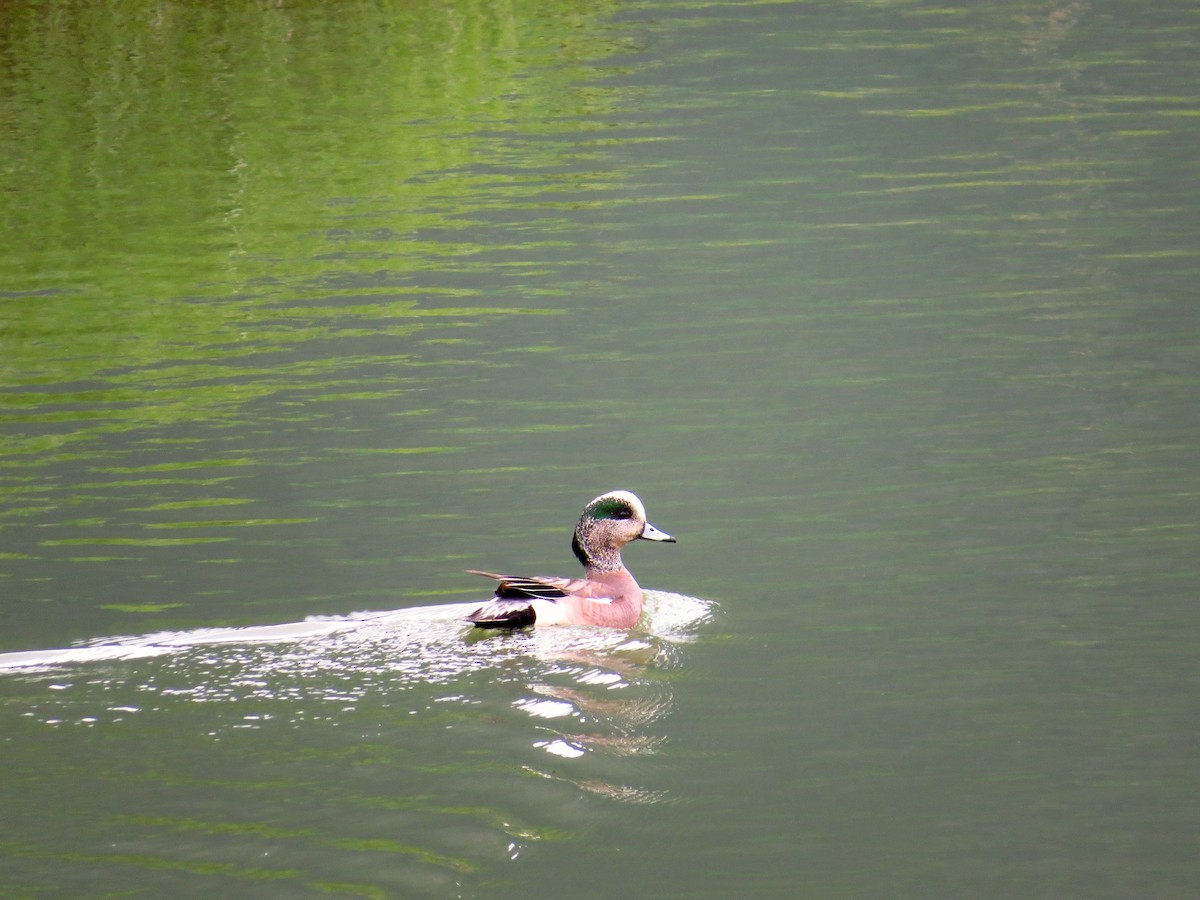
x=607, y=595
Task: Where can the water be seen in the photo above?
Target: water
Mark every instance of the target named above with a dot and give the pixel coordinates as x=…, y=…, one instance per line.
x=885, y=310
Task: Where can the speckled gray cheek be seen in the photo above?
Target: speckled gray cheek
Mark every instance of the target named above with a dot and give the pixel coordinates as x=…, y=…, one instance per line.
x=599, y=556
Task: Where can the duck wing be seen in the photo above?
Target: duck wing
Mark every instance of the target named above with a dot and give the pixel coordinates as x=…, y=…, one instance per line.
x=517, y=598
x=544, y=587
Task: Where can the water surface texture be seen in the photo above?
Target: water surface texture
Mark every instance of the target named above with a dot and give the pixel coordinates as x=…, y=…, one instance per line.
x=887, y=310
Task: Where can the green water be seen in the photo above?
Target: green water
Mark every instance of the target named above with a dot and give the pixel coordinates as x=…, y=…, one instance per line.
x=886, y=310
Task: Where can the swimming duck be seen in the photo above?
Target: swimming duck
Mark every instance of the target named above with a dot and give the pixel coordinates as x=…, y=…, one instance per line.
x=607, y=595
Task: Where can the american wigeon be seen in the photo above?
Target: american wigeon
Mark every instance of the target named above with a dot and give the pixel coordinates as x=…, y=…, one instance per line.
x=607, y=595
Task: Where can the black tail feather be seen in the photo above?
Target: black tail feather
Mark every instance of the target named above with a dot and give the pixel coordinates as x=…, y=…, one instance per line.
x=504, y=614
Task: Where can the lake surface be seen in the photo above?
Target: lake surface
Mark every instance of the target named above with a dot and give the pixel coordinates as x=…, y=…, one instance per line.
x=886, y=310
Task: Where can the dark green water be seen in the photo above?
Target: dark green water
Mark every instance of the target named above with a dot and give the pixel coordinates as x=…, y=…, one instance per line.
x=886, y=310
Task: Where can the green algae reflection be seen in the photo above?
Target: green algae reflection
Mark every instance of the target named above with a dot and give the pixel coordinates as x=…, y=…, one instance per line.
x=201, y=203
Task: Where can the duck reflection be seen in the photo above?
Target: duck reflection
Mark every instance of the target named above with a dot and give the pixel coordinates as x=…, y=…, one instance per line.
x=601, y=705
x=597, y=695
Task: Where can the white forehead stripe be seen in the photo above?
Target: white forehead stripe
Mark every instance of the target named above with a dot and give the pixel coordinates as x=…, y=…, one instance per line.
x=629, y=497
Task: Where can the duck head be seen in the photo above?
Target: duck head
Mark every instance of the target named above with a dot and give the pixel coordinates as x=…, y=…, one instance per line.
x=608, y=523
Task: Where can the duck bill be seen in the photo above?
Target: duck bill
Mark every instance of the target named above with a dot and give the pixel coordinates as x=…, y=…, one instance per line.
x=650, y=533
